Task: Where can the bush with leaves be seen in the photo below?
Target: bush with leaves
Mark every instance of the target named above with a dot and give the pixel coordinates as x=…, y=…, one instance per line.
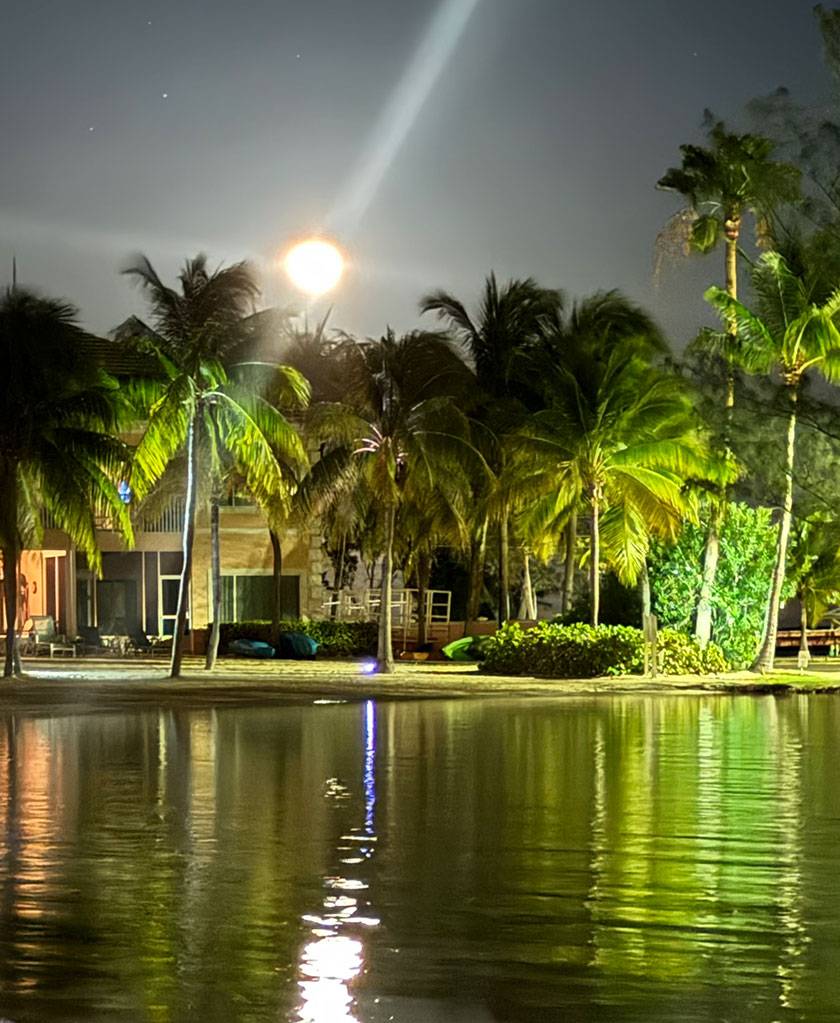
x=334, y=638
x=739, y=598
x=551, y=650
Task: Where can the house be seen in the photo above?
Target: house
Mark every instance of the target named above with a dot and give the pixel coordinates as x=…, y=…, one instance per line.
x=138, y=588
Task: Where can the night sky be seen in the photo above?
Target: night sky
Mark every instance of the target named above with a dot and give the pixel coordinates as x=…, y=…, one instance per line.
x=170, y=127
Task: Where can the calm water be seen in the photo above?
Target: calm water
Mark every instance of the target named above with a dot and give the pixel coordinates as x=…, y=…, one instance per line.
x=624, y=860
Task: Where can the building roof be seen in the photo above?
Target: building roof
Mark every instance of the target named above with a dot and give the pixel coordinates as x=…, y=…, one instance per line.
x=118, y=358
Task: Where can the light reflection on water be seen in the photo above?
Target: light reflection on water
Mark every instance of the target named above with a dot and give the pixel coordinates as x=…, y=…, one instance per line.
x=333, y=960
x=635, y=859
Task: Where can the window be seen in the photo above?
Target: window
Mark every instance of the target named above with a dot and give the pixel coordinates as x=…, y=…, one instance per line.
x=238, y=499
x=248, y=598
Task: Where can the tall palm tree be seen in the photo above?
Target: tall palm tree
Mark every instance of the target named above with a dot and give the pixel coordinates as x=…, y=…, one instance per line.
x=59, y=414
x=495, y=337
x=733, y=176
x=397, y=427
x=205, y=403
x=794, y=329
x=619, y=440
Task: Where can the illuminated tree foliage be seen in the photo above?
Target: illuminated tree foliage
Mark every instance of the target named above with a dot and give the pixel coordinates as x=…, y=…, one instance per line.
x=206, y=400
x=739, y=597
x=59, y=414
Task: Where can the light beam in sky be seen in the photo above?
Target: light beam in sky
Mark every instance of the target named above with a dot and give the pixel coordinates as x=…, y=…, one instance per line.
x=400, y=113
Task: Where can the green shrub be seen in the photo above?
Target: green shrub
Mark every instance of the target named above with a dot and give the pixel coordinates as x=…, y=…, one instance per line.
x=334, y=638
x=679, y=654
x=584, y=651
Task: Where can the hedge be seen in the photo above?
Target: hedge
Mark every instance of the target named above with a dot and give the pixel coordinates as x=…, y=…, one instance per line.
x=584, y=651
x=334, y=638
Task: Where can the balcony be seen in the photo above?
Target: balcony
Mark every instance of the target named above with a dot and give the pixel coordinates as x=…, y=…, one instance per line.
x=169, y=519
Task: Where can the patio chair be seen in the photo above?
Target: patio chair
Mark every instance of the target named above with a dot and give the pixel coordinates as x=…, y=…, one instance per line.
x=45, y=640
x=90, y=642
x=142, y=646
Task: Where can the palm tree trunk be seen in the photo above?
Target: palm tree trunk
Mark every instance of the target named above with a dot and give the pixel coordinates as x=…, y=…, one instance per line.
x=385, y=650
x=711, y=555
x=478, y=555
x=569, y=568
x=276, y=586
x=504, y=568
x=644, y=578
x=595, y=557
x=424, y=573
x=338, y=583
x=703, y=619
x=527, y=605
x=10, y=591
x=804, y=658
x=767, y=651
x=732, y=229
x=215, y=584
x=187, y=550
x=9, y=498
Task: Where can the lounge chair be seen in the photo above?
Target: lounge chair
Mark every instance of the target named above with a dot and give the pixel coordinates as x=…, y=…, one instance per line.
x=90, y=642
x=142, y=646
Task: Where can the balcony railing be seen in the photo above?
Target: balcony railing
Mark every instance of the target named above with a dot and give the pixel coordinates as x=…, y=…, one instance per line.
x=48, y=520
x=365, y=605
x=170, y=519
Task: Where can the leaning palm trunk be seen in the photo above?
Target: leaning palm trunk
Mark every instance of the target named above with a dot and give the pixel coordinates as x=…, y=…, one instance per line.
x=276, y=585
x=711, y=556
x=215, y=584
x=187, y=550
x=595, y=557
x=569, y=567
x=385, y=650
x=504, y=568
x=767, y=651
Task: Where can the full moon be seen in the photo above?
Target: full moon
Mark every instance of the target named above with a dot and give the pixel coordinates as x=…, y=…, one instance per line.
x=315, y=266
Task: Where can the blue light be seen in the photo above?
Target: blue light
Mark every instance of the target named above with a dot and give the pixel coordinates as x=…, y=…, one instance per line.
x=124, y=490
x=370, y=766
x=368, y=667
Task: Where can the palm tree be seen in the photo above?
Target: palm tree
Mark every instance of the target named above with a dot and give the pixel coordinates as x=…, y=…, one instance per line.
x=506, y=322
x=795, y=329
x=397, y=427
x=59, y=452
x=203, y=403
x=735, y=175
x=618, y=439
x=814, y=564
x=593, y=325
